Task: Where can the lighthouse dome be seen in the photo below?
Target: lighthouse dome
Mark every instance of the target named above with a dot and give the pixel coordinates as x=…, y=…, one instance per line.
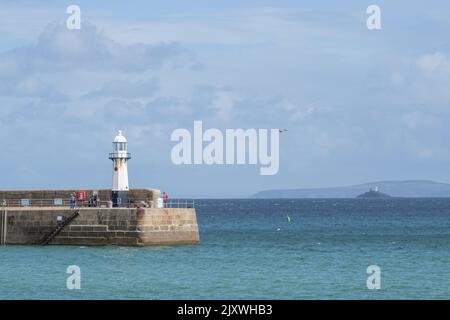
x=120, y=138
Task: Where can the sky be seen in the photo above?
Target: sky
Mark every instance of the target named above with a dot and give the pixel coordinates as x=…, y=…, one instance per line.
x=359, y=105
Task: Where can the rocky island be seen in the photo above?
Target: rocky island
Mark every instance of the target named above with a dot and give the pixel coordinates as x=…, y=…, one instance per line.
x=373, y=194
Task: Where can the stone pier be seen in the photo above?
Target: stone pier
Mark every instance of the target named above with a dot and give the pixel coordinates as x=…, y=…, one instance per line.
x=102, y=226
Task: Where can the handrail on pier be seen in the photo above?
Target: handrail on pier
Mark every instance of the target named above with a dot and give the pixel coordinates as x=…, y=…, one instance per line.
x=65, y=203
x=59, y=228
x=179, y=203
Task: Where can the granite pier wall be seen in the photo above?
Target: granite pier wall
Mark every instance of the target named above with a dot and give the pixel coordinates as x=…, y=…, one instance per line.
x=100, y=226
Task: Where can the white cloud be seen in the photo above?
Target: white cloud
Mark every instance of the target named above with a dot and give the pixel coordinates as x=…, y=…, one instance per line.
x=126, y=89
x=294, y=112
x=285, y=27
x=434, y=62
x=421, y=120
x=61, y=50
x=224, y=102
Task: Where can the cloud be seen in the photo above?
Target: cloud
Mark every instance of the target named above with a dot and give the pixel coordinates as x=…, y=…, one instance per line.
x=235, y=27
x=421, y=120
x=62, y=50
x=126, y=89
x=434, y=62
x=295, y=112
x=423, y=80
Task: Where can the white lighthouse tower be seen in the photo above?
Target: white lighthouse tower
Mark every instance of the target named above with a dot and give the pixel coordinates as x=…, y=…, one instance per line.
x=120, y=157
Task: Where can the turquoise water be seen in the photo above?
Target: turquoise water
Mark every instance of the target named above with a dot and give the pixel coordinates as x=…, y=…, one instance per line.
x=249, y=250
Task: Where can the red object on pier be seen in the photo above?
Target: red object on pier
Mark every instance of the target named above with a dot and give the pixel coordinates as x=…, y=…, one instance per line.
x=82, y=196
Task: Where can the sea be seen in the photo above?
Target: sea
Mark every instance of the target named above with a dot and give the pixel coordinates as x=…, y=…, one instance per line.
x=258, y=249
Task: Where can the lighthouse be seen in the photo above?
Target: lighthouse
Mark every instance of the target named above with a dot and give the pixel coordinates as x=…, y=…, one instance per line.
x=120, y=157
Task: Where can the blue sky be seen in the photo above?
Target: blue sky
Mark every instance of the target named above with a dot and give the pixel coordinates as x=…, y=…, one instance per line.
x=359, y=105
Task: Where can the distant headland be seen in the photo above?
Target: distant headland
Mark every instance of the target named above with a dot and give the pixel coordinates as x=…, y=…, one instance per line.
x=403, y=189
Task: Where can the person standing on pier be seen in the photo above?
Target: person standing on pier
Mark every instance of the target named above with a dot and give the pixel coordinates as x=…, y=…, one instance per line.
x=165, y=198
x=73, y=201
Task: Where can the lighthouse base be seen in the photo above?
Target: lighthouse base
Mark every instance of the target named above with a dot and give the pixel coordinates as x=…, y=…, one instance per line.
x=120, y=199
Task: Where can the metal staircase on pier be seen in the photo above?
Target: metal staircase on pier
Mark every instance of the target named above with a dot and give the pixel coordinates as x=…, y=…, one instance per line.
x=59, y=228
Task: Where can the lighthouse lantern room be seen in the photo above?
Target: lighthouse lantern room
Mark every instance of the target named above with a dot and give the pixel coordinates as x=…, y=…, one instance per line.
x=120, y=157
